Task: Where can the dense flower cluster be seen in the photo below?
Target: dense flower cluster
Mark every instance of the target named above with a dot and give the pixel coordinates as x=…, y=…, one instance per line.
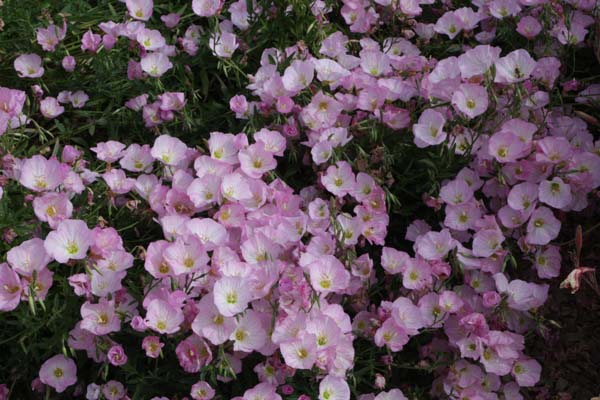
x=250, y=272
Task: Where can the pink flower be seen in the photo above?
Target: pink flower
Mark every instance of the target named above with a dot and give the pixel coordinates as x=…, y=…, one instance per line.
x=117, y=181
x=49, y=37
x=10, y=288
x=202, y=391
x=487, y=242
x=186, y=257
x=515, y=67
x=69, y=63
x=408, y=316
x=136, y=103
x=298, y=75
x=394, y=394
x=328, y=274
x=172, y=101
x=329, y=71
x=334, y=388
x=450, y=302
x=456, y=192
x=51, y=108
x=206, y=8
x=521, y=295
x=322, y=112
x=231, y=295
x=555, y=193
x=504, y=8
x=506, y=146
x=205, y=191
x=170, y=20
x=239, y=105
x=273, y=141
x=70, y=241
x=140, y=9
x=169, y=150
x=263, y=390
x=223, y=44
x=193, y=353
x=11, y=103
x=29, y=66
x=28, y=257
x=152, y=346
x=110, y=151
x=300, y=353
x=137, y=158
x=477, y=61
x=101, y=318
x=491, y=299
x=434, y=245
x=93, y=391
x=394, y=261
x=150, y=39
x=339, y=179
x=224, y=147
x=542, y=227
x=529, y=27
x=211, y=324
x=90, y=42
x=429, y=129
x=109, y=41
x=255, y=160
x=523, y=196
x=80, y=284
x=162, y=317
x=470, y=99
x=417, y=275
x=548, y=262
x=210, y=233
x=155, y=64
x=134, y=70
x=113, y=390
x=375, y=63
x=79, y=98
x=249, y=334
x=116, y=355
x=40, y=285
x=553, y=149
x=449, y=24
x=58, y=372
x=526, y=372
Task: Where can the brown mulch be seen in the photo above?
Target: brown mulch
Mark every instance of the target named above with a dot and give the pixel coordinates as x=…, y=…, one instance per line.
x=570, y=353
x=570, y=356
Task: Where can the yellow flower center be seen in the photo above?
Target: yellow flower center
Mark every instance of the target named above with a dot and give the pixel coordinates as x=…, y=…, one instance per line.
x=161, y=325
x=102, y=319
x=325, y=283
x=231, y=298
x=302, y=353
x=240, y=335
x=51, y=211
x=72, y=248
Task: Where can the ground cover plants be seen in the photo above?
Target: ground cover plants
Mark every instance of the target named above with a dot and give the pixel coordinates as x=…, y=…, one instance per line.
x=262, y=200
